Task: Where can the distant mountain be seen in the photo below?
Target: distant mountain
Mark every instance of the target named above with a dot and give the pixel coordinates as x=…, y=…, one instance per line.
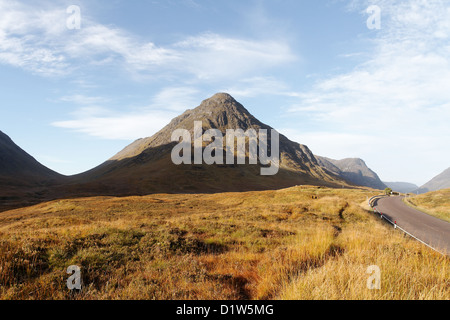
x=403, y=187
x=352, y=170
x=441, y=181
x=145, y=166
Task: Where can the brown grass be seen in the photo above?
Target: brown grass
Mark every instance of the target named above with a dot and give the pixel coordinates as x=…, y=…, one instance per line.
x=435, y=203
x=298, y=243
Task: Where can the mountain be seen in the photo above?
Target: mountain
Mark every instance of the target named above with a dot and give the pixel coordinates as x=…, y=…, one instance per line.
x=441, y=181
x=352, y=170
x=145, y=166
x=23, y=180
x=403, y=187
x=18, y=168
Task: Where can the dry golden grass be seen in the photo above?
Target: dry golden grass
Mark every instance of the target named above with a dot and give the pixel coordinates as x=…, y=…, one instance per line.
x=298, y=243
x=435, y=203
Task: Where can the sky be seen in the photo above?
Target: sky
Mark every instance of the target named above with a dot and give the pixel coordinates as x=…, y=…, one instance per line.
x=80, y=80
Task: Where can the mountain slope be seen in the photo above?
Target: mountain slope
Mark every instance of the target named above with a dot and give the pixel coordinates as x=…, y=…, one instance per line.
x=441, y=181
x=18, y=168
x=352, y=170
x=23, y=180
x=145, y=166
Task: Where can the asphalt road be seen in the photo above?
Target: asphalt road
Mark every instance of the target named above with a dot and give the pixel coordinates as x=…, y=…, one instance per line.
x=431, y=230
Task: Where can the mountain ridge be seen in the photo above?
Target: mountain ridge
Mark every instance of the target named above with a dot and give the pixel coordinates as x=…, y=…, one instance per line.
x=222, y=112
x=145, y=166
x=439, y=182
x=17, y=167
x=353, y=170
x=23, y=180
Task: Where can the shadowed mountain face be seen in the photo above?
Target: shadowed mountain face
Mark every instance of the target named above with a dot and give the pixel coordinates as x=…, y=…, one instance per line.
x=145, y=166
x=354, y=171
x=441, y=181
x=18, y=168
x=23, y=180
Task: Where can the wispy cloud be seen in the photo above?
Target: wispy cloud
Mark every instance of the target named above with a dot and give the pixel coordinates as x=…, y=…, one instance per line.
x=128, y=126
x=105, y=123
x=26, y=38
x=400, y=93
x=211, y=56
x=36, y=39
x=84, y=100
x=259, y=86
x=177, y=99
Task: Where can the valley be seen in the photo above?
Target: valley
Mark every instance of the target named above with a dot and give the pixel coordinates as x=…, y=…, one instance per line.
x=303, y=242
x=143, y=226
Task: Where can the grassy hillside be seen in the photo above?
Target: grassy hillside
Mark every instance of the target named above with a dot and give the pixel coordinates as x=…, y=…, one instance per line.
x=435, y=203
x=297, y=243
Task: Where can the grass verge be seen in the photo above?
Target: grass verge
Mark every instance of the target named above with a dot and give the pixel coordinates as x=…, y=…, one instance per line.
x=435, y=203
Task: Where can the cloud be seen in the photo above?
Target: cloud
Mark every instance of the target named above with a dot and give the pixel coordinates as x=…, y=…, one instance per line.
x=384, y=155
x=211, y=56
x=99, y=44
x=84, y=100
x=176, y=99
x=399, y=95
x=258, y=86
x=30, y=37
x=130, y=126
x=104, y=123
x=36, y=39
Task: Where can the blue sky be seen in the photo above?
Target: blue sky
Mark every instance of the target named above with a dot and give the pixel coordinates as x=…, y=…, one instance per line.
x=313, y=70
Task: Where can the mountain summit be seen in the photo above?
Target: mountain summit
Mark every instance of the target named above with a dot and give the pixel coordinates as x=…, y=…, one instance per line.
x=145, y=166
x=221, y=111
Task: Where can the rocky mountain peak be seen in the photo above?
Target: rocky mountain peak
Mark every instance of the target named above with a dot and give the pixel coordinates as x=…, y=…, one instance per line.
x=222, y=110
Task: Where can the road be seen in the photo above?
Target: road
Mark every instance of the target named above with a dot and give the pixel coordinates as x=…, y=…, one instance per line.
x=431, y=230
